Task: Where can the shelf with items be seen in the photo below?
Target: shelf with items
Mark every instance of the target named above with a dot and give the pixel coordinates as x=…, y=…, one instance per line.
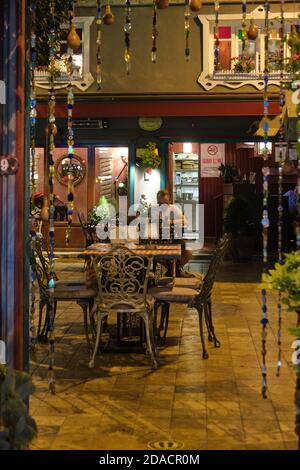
x=187, y=184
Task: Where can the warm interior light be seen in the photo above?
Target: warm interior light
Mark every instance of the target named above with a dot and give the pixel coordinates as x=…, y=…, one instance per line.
x=261, y=146
x=187, y=147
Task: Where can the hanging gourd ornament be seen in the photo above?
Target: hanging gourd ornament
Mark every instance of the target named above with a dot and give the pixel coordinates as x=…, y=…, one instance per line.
x=73, y=39
x=162, y=4
x=108, y=17
x=252, y=32
x=195, y=5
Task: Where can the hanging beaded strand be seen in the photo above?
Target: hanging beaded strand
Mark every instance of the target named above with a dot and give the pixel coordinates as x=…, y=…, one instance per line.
x=244, y=28
x=98, y=46
x=51, y=148
x=154, y=32
x=187, y=15
x=33, y=117
x=127, y=29
x=280, y=171
x=70, y=134
x=216, y=36
x=265, y=216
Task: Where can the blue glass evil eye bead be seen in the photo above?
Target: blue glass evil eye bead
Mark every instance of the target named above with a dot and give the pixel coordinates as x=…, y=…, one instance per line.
x=264, y=321
x=51, y=283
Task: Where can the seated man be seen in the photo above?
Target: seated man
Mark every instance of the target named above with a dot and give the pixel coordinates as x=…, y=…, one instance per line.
x=177, y=219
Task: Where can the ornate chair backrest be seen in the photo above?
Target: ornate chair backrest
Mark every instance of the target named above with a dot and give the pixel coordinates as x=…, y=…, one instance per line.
x=39, y=263
x=122, y=277
x=217, y=259
x=88, y=230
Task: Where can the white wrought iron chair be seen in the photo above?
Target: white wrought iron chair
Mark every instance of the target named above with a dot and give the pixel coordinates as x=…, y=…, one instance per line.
x=122, y=281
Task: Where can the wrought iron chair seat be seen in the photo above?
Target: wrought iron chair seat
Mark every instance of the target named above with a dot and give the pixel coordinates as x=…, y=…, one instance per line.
x=198, y=298
x=190, y=282
x=122, y=287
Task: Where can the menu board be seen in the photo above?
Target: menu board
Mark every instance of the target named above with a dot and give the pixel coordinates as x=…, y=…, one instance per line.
x=212, y=155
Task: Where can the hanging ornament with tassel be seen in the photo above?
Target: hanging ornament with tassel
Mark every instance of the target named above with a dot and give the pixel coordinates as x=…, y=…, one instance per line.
x=216, y=38
x=127, y=30
x=154, y=32
x=187, y=15
x=51, y=148
x=98, y=46
x=70, y=131
x=244, y=28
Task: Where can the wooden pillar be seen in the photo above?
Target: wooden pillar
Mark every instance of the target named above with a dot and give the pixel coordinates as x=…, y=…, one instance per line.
x=13, y=191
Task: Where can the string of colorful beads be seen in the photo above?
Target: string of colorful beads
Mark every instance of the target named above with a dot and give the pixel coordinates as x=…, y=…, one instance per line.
x=154, y=32
x=33, y=116
x=280, y=171
x=216, y=36
x=244, y=27
x=98, y=46
x=265, y=217
x=187, y=15
x=51, y=148
x=127, y=29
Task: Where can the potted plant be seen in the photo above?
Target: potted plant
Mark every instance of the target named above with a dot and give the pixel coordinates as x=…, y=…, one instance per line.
x=243, y=64
x=227, y=172
x=17, y=428
x=285, y=278
x=238, y=221
x=149, y=157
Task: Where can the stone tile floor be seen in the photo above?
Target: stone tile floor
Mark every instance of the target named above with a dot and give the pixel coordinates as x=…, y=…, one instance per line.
x=213, y=404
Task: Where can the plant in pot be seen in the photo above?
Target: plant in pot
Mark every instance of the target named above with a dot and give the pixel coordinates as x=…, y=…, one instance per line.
x=285, y=278
x=238, y=221
x=149, y=157
x=228, y=172
x=17, y=428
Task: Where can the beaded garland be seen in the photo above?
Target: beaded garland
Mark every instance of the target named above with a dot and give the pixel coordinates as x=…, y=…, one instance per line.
x=51, y=148
x=98, y=46
x=280, y=171
x=187, y=14
x=127, y=29
x=33, y=117
x=216, y=36
x=154, y=32
x=244, y=27
x=265, y=217
x=70, y=134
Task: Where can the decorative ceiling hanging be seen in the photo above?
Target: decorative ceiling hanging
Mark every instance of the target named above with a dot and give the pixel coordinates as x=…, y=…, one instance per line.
x=70, y=132
x=154, y=32
x=108, y=17
x=51, y=148
x=265, y=215
x=127, y=30
x=216, y=38
x=98, y=46
x=187, y=15
x=244, y=28
x=195, y=5
x=280, y=176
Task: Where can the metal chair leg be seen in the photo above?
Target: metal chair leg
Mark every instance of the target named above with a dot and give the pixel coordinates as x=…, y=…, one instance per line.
x=217, y=343
x=167, y=313
x=42, y=304
x=145, y=317
x=200, y=314
x=206, y=317
x=97, y=343
x=85, y=305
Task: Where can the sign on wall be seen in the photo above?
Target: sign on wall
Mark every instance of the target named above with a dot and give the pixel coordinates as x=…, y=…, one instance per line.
x=212, y=155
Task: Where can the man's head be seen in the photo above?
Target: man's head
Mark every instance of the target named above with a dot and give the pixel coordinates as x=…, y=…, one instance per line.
x=163, y=197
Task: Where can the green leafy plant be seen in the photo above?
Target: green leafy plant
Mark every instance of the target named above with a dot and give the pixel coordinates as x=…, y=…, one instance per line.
x=243, y=64
x=42, y=29
x=227, y=171
x=149, y=156
x=17, y=428
x=238, y=220
x=285, y=278
x=100, y=212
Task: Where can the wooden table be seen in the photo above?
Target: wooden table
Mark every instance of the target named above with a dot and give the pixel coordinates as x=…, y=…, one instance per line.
x=158, y=252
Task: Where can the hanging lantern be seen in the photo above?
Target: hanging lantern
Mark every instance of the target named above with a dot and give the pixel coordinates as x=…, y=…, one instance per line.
x=252, y=31
x=108, y=17
x=195, y=5
x=162, y=4
x=73, y=40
